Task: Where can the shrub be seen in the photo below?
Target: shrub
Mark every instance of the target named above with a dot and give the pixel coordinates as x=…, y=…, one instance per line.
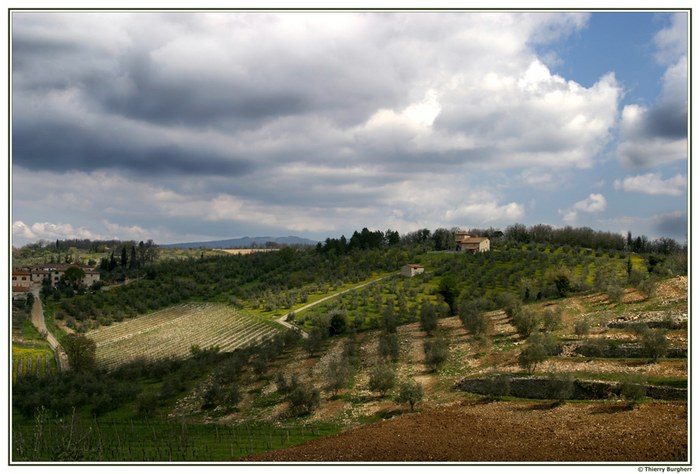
x=146, y=403
x=389, y=346
x=382, y=378
x=526, y=321
x=303, y=399
x=582, y=327
x=546, y=340
x=472, y=316
x=531, y=356
x=632, y=390
x=428, y=317
x=337, y=375
x=338, y=323
x=510, y=303
x=560, y=387
x=436, y=352
x=615, y=293
x=655, y=344
x=552, y=319
x=314, y=342
x=411, y=392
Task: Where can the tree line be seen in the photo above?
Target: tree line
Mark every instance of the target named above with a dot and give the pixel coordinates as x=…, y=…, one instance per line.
x=588, y=238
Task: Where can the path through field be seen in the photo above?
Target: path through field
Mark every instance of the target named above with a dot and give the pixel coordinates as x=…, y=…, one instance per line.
x=40, y=324
x=283, y=319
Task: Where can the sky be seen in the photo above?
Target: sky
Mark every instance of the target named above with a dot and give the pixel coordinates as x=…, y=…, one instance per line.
x=205, y=125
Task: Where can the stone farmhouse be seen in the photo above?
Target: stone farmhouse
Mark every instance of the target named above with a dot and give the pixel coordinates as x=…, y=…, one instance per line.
x=466, y=243
x=412, y=269
x=24, y=278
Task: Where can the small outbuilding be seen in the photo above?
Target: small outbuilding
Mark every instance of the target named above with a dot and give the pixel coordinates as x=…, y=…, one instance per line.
x=412, y=269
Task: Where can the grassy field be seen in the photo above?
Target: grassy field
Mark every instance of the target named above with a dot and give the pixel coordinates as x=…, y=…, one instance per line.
x=32, y=359
x=173, y=331
x=81, y=439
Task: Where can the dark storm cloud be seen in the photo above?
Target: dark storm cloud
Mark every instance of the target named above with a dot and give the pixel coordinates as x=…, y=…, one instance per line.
x=674, y=225
x=203, y=100
x=61, y=147
x=667, y=122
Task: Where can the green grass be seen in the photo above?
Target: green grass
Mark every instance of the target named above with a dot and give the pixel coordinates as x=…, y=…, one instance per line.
x=112, y=440
x=37, y=354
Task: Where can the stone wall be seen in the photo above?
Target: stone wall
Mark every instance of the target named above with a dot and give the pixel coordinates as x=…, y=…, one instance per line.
x=539, y=388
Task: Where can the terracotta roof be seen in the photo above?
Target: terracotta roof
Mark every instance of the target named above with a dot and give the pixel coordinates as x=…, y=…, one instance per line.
x=472, y=240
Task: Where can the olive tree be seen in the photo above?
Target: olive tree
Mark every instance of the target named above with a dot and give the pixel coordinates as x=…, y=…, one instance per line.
x=80, y=351
x=436, y=352
x=411, y=392
x=531, y=356
x=382, y=378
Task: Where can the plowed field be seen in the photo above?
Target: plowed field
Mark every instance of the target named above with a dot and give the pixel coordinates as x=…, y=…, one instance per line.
x=473, y=431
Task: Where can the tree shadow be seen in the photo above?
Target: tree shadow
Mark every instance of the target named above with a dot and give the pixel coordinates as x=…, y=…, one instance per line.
x=541, y=406
x=610, y=408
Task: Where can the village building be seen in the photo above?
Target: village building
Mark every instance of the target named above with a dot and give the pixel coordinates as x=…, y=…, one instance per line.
x=412, y=269
x=23, y=278
x=466, y=243
x=21, y=282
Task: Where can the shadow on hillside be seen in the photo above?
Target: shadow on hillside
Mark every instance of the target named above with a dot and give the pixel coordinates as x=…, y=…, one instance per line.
x=610, y=408
x=540, y=406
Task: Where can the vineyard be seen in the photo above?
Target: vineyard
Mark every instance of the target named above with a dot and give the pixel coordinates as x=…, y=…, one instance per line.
x=172, y=332
x=153, y=440
x=38, y=361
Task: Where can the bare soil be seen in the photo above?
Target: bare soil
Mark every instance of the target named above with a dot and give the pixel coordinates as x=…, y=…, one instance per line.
x=474, y=431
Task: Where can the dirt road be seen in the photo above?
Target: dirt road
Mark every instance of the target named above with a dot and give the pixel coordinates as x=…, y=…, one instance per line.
x=283, y=319
x=39, y=322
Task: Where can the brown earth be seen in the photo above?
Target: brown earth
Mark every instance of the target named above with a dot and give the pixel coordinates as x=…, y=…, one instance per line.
x=474, y=431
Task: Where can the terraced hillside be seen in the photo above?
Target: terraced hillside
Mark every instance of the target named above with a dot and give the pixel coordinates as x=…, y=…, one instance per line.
x=172, y=332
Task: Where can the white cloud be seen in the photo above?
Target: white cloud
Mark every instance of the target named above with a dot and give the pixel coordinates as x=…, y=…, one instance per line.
x=653, y=184
x=535, y=177
x=672, y=42
x=485, y=212
x=342, y=120
x=593, y=204
x=658, y=134
x=51, y=231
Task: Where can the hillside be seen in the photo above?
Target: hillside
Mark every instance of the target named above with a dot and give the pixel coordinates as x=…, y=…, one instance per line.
x=242, y=242
x=560, y=339
x=445, y=427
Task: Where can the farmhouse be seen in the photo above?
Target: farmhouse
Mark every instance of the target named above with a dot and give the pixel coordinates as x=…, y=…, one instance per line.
x=21, y=282
x=24, y=277
x=412, y=269
x=466, y=243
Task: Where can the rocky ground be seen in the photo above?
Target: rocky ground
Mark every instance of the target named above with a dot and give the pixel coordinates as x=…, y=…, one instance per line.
x=475, y=431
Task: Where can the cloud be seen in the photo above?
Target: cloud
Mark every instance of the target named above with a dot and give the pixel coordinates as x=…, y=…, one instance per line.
x=51, y=231
x=243, y=122
x=212, y=94
x=658, y=134
x=671, y=224
x=653, y=184
x=535, y=177
x=672, y=42
x=593, y=204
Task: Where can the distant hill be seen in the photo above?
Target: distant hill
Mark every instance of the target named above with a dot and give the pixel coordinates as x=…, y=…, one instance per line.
x=242, y=243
